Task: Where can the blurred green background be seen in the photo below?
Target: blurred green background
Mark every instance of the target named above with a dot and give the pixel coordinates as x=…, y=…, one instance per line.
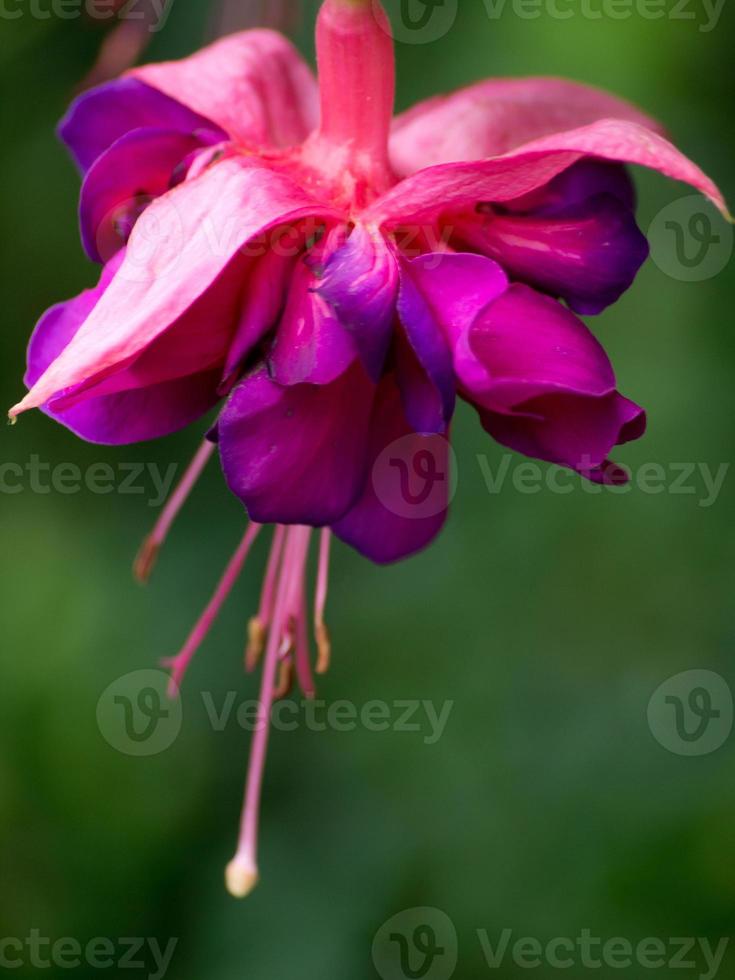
x=547, y=806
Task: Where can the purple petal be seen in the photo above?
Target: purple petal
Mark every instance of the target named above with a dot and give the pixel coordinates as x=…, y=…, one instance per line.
x=420, y=396
x=59, y=324
x=310, y=345
x=122, y=182
x=297, y=454
x=588, y=253
x=101, y=116
x=360, y=283
x=126, y=416
x=404, y=504
x=577, y=184
x=264, y=297
x=139, y=414
x=440, y=295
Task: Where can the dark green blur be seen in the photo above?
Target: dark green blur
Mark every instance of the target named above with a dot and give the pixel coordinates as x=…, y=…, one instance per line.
x=547, y=806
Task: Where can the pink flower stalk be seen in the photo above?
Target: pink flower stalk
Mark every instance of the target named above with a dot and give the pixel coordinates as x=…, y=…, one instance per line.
x=338, y=276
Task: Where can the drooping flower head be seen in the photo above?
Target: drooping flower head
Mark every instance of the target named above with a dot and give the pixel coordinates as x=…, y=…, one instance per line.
x=335, y=278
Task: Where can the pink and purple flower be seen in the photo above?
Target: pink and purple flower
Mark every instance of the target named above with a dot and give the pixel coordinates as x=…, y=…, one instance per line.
x=337, y=277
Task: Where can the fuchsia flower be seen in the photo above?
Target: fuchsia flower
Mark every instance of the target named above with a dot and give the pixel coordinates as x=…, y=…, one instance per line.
x=338, y=277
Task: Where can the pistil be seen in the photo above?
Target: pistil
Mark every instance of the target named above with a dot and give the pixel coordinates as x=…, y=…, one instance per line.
x=241, y=875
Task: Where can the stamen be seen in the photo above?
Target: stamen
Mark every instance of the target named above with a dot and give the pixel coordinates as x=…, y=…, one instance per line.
x=297, y=607
x=258, y=625
x=181, y=661
x=303, y=662
x=324, y=644
x=294, y=564
x=148, y=553
x=324, y=648
x=285, y=679
x=257, y=634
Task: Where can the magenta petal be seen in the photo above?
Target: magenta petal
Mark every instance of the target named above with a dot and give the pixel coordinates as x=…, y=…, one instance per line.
x=404, y=504
x=253, y=84
x=453, y=287
x=360, y=283
x=178, y=249
x=124, y=180
x=576, y=431
x=101, y=116
x=455, y=187
x=530, y=344
x=311, y=345
x=588, y=254
x=549, y=389
x=297, y=454
x=495, y=116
